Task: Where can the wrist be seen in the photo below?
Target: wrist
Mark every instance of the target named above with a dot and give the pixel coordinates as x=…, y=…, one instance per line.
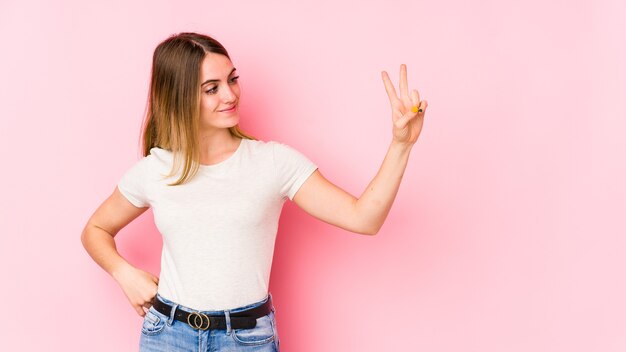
x=401, y=146
x=120, y=268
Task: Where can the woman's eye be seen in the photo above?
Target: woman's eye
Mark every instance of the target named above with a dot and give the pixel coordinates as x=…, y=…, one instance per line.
x=214, y=89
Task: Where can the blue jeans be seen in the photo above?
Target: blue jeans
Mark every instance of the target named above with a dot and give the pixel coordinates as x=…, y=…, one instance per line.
x=160, y=332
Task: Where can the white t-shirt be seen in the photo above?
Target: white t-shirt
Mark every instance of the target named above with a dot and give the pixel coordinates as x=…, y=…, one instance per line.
x=220, y=227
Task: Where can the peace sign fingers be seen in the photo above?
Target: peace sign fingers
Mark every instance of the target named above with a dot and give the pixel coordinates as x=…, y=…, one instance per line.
x=404, y=86
x=407, y=111
x=396, y=104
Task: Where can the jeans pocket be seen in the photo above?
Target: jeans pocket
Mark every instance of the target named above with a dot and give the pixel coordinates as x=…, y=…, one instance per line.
x=276, y=335
x=153, y=322
x=262, y=333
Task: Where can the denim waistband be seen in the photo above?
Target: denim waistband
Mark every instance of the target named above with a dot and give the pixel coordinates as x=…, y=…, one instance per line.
x=214, y=312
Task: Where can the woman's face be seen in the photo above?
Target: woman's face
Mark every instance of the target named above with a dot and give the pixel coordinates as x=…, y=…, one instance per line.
x=219, y=103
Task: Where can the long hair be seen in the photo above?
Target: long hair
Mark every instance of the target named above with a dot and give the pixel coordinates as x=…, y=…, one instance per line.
x=173, y=111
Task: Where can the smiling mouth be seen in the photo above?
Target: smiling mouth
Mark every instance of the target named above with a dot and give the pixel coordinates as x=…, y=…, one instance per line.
x=231, y=109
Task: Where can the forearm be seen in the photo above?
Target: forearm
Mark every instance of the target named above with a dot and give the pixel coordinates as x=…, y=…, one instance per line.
x=101, y=247
x=375, y=202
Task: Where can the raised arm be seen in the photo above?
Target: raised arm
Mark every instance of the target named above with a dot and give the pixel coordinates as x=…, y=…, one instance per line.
x=366, y=215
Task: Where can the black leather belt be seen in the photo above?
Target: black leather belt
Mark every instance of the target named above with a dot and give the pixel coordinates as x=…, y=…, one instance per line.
x=245, y=319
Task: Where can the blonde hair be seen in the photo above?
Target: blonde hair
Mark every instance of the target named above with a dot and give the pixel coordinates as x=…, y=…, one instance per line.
x=173, y=110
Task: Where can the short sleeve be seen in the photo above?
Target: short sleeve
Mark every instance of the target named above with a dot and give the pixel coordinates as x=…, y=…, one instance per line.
x=132, y=184
x=292, y=169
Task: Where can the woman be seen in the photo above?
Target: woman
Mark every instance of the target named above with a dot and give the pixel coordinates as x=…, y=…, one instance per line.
x=217, y=194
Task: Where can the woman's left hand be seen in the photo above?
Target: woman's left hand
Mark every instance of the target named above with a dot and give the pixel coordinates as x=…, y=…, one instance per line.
x=405, y=111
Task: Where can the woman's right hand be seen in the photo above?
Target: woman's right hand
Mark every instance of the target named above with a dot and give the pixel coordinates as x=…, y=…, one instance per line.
x=139, y=286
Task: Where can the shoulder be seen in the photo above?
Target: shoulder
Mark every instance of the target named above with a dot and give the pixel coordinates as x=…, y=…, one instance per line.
x=279, y=147
x=261, y=147
x=259, y=143
x=159, y=155
x=157, y=161
x=285, y=150
x=277, y=151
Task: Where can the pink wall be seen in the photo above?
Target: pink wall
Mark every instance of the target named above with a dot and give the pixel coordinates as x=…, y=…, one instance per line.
x=507, y=233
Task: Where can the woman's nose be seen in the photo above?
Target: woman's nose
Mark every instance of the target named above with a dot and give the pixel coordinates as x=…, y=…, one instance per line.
x=227, y=94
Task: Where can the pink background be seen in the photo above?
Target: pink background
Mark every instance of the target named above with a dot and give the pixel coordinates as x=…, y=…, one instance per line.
x=507, y=233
